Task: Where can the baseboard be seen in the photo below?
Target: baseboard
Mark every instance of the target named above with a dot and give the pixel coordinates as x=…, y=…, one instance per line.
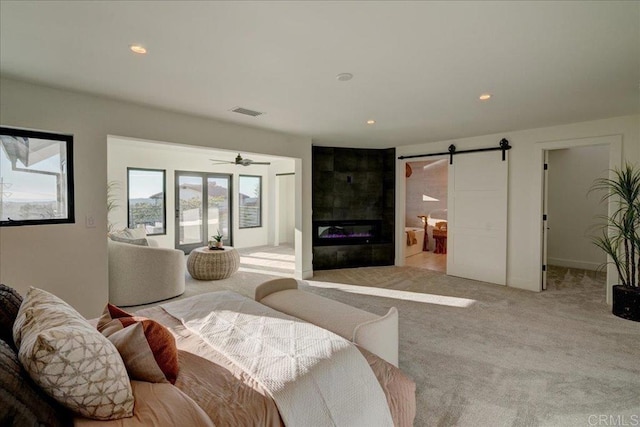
x=301, y=275
x=572, y=263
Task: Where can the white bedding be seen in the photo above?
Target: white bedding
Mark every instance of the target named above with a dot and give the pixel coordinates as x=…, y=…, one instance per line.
x=314, y=376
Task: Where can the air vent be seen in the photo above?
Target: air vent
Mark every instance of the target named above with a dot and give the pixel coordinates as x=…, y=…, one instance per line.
x=246, y=112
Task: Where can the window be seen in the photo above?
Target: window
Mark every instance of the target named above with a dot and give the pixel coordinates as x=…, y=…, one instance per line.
x=250, y=201
x=36, y=177
x=146, y=200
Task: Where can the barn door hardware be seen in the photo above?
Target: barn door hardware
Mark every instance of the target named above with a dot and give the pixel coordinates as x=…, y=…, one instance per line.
x=503, y=147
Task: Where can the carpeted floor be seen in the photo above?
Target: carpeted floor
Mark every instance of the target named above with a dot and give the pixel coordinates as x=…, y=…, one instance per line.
x=486, y=355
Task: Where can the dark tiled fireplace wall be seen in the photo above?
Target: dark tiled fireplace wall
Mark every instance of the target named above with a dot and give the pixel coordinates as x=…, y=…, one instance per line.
x=351, y=184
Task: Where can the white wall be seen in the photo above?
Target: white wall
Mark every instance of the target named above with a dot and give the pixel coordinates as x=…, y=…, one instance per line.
x=573, y=211
x=285, y=212
x=70, y=260
x=123, y=153
x=427, y=178
x=523, y=238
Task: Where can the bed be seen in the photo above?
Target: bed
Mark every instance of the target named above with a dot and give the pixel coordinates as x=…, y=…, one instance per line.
x=231, y=360
x=231, y=397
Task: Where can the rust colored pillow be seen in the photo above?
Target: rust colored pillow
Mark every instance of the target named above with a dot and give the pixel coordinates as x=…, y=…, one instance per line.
x=148, y=349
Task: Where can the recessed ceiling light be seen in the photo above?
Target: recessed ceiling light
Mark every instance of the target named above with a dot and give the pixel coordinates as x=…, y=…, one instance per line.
x=136, y=48
x=343, y=77
x=485, y=97
x=371, y=122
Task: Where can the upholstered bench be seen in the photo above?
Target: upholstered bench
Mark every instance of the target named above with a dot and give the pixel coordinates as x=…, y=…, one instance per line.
x=378, y=334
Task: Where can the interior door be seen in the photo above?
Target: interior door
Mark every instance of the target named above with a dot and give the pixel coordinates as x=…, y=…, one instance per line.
x=203, y=208
x=477, y=227
x=545, y=218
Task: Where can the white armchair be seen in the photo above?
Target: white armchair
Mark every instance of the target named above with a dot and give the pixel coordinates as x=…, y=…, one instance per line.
x=144, y=274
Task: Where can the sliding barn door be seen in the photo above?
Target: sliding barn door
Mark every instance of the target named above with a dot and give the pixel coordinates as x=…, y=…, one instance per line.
x=477, y=228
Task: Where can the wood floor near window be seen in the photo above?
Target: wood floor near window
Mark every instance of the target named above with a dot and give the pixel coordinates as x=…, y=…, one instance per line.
x=428, y=260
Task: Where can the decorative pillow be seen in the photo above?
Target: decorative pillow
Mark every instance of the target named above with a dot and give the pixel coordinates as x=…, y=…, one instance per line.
x=70, y=360
x=148, y=349
x=139, y=242
x=10, y=301
x=22, y=402
x=127, y=234
x=44, y=302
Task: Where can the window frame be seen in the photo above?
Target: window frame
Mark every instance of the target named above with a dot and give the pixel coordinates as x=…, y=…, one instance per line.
x=70, y=199
x=240, y=202
x=164, y=198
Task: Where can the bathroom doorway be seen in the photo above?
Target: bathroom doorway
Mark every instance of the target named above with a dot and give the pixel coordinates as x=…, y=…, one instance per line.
x=426, y=214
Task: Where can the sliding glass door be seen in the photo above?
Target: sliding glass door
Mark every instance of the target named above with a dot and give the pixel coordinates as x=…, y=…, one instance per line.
x=203, y=208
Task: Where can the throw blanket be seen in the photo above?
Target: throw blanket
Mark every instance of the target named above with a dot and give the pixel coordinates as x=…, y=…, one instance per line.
x=314, y=376
x=411, y=238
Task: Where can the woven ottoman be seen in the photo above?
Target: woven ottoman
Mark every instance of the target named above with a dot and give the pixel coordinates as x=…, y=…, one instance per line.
x=206, y=264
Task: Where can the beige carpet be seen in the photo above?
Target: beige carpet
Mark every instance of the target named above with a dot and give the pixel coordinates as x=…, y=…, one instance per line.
x=485, y=355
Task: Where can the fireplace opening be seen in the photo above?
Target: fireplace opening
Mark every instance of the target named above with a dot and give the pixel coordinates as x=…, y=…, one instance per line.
x=327, y=233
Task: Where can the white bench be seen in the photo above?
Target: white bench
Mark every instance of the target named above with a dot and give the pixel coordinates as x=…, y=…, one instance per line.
x=378, y=334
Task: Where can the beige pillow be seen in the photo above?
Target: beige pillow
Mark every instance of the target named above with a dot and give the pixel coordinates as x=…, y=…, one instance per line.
x=70, y=360
x=133, y=236
x=131, y=233
x=147, y=348
x=138, y=242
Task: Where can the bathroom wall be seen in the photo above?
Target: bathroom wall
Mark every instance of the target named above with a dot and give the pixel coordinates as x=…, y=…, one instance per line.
x=427, y=178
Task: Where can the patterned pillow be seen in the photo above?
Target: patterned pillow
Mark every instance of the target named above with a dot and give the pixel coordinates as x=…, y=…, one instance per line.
x=10, y=301
x=44, y=302
x=22, y=402
x=148, y=349
x=70, y=360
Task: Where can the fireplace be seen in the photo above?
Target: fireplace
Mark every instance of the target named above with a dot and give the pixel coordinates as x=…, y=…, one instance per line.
x=329, y=233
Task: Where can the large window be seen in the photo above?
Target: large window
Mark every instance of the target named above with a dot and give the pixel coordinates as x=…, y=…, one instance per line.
x=250, y=201
x=203, y=209
x=146, y=194
x=36, y=177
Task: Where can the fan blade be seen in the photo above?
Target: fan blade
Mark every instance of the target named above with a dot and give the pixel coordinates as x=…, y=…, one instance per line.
x=248, y=162
x=222, y=161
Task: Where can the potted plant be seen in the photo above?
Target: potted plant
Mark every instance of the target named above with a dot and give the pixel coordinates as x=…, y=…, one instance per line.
x=217, y=240
x=620, y=237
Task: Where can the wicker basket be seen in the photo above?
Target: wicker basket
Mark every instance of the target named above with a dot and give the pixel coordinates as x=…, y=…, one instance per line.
x=206, y=264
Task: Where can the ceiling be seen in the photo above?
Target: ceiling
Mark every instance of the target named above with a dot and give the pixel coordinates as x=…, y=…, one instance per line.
x=418, y=67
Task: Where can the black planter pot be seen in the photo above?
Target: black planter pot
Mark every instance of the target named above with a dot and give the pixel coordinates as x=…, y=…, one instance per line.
x=626, y=302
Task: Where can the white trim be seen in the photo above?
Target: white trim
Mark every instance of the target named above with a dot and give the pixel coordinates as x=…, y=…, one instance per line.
x=615, y=161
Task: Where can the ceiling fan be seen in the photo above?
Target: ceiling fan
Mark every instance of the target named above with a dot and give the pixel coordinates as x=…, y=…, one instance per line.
x=239, y=161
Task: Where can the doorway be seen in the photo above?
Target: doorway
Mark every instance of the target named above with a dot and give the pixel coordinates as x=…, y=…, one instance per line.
x=571, y=211
x=203, y=209
x=613, y=146
x=426, y=214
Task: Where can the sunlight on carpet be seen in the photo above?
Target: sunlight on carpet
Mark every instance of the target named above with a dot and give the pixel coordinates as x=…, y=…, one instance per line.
x=266, y=271
x=396, y=294
x=272, y=256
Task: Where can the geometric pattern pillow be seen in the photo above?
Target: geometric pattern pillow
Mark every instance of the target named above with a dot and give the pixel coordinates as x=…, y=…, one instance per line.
x=43, y=302
x=70, y=360
x=10, y=301
x=148, y=349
